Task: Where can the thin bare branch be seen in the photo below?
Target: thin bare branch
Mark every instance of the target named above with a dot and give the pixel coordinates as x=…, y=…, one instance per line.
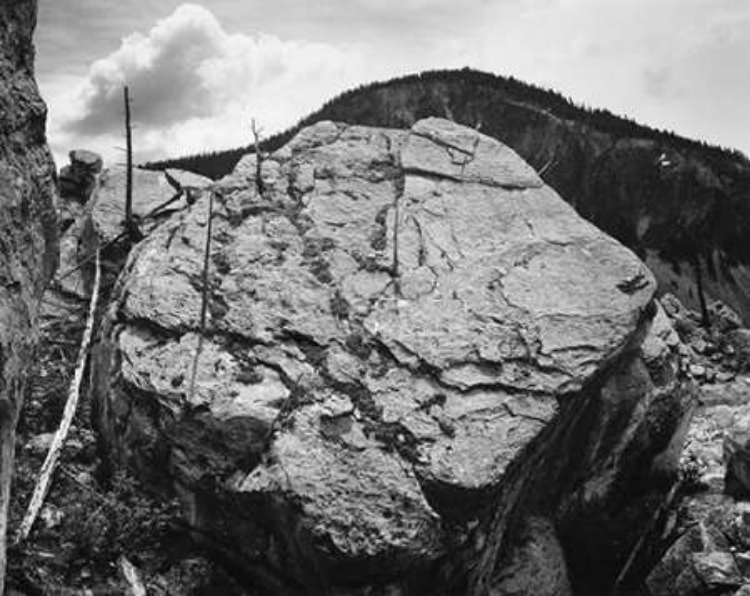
x=258, y=159
x=204, y=297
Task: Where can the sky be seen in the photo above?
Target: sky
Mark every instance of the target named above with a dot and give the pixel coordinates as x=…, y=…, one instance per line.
x=200, y=72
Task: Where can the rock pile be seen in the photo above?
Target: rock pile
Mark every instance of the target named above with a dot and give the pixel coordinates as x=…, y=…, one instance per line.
x=714, y=355
x=415, y=351
x=711, y=545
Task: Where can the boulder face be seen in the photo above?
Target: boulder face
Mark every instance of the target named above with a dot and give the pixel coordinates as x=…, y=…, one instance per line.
x=412, y=345
x=28, y=250
x=681, y=205
x=27, y=172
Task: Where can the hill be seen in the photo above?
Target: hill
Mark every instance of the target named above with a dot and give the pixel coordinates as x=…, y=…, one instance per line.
x=682, y=205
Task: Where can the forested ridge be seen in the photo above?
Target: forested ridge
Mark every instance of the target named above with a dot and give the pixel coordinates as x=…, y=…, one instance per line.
x=359, y=106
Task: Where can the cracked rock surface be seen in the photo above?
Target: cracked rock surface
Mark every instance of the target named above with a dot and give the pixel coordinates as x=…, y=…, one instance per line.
x=28, y=234
x=395, y=318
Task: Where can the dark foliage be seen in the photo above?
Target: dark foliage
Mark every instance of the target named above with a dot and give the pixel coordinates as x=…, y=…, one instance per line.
x=360, y=106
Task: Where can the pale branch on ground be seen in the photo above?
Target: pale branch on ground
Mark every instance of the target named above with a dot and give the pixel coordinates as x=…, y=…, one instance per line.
x=53, y=455
x=132, y=577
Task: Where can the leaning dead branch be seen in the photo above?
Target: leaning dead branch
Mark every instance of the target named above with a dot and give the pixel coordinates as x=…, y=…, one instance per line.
x=53, y=455
x=204, y=297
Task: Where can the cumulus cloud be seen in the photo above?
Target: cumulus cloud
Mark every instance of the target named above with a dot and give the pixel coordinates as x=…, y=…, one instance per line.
x=676, y=64
x=190, y=81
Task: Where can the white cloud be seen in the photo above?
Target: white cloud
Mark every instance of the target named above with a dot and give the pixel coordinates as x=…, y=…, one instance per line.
x=676, y=64
x=194, y=87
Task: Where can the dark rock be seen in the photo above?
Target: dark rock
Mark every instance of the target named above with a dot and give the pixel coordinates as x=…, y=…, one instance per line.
x=28, y=227
x=698, y=563
x=723, y=318
x=737, y=459
x=739, y=340
x=536, y=565
x=78, y=180
x=86, y=161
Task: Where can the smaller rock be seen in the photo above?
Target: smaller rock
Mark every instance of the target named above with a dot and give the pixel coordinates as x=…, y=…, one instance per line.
x=699, y=562
x=51, y=516
x=686, y=328
x=86, y=161
x=40, y=443
x=736, y=448
x=723, y=318
x=722, y=415
x=697, y=371
x=672, y=306
x=656, y=347
x=77, y=180
x=743, y=591
x=724, y=377
x=536, y=564
x=698, y=345
x=85, y=478
x=732, y=392
x=717, y=569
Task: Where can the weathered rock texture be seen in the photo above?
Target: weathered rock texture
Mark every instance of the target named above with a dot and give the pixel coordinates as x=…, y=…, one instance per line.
x=27, y=221
x=682, y=205
x=413, y=346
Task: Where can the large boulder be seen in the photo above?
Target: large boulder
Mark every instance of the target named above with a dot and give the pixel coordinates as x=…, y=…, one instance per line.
x=28, y=250
x=412, y=344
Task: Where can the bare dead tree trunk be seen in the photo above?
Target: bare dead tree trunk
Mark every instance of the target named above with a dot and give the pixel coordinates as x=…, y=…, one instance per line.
x=129, y=162
x=705, y=318
x=258, y=159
